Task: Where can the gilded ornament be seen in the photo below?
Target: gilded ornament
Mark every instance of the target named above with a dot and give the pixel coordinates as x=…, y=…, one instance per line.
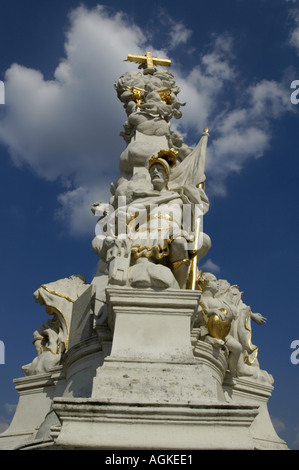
x=138, y=95
x=165, y=96
x=218, y=327
x=149, y=60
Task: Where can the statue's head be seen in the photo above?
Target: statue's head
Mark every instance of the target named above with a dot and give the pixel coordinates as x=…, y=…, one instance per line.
x=159, y=171
x=159, y=167
x=177, y=139
x=208, y=282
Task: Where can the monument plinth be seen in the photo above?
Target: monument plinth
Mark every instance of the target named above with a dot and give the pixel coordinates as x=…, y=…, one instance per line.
x=154, y=353
x=152, y=392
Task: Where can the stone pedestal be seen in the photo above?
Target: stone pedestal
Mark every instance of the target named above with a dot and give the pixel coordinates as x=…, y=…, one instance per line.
x=153, y=392
x=151, y=326
x=90, y=424
x=258, y=392
x=36, y=394
x=155, y=387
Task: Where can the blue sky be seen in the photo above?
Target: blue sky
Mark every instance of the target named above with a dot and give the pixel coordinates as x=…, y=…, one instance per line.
x=59, y=148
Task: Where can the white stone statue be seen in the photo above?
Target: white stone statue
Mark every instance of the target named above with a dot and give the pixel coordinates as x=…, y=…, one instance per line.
x=158, y=227
x=51, y=338
x=224, y=321
x=150, y=101
x=158, y=233
x=153, y=353
x=145, y=239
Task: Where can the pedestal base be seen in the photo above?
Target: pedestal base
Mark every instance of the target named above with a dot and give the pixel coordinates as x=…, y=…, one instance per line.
x=153, y=392
x=35, y=400
x=90, y=424
x=159, y=388
x=255, y=392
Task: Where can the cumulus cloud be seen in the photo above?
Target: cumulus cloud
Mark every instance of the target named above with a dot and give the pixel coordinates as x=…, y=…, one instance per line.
x=241, y=125
x=57, y=127
x=67, y=128
x=203, y=85
x=245, y=132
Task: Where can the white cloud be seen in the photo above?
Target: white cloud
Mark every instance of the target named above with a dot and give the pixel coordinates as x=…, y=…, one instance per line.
x=178, y=34
x=202, y=86
x=75, y=212
x=268, y=99
x=10, y=408
x=2, y=93
x=240, y=128
x=68, y=128
x=245, y=132
x=175, y=33
x=294, y=34
x=57, y=127
x=278, y=424
x=210, y=266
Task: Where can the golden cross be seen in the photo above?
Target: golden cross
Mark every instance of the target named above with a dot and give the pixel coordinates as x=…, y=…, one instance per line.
x=149, y=60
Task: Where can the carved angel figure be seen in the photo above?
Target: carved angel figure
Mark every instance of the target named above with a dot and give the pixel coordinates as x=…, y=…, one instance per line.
x=225, y=321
